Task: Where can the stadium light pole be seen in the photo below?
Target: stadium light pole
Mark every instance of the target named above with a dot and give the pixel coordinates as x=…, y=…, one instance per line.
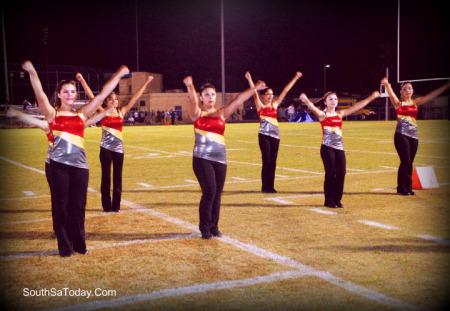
x=325, y=77
x=222, y=44
x=5, y=59
x=137, y=36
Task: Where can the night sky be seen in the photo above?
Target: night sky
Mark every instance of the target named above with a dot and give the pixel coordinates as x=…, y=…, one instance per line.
x=271, y=39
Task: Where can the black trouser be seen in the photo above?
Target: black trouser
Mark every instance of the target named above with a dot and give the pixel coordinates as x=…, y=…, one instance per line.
x=49, y=181
x=211, y=177
x=334, y=163
x=406, y=149
x=69, y=190
x=106, y=158
x=269, y=151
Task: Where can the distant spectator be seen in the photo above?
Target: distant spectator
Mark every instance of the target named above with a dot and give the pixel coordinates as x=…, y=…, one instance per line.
x=291, y=113
x=173, y=115
x=238, y=114
x=26, y=104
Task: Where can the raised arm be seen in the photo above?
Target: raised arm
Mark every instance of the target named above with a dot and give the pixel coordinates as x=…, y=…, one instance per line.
x=44, y=105
x=136, y=95
x=319, y=113
x=194, y=109
x=256, y=98
x=241, y=98
x=432, y=95
x=98, y=116
x=90, y=108
x=393, y=98
x=85, y=86
x=286, y=89
x=359, y=105
x=28, y=119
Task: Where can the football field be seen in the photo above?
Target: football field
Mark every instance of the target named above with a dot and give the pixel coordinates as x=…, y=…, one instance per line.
x=282, y=251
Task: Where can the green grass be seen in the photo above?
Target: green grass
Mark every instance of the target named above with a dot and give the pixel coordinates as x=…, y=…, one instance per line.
x=395, y=263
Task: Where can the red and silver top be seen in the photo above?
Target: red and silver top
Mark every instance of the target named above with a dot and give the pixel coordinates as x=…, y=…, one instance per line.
x=68, y=133
x=209, y=138
x=407, y=119
x=112, y=137
x=269, y=122
x=332, y=131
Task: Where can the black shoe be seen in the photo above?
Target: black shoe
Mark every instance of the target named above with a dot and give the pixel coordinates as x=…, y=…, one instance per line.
x=216, y=234
x=330, y=204
x=272, y=191
x=66, y=254
x=411, y=192
x=207, y=236
x=339, y=205
x=402, y=192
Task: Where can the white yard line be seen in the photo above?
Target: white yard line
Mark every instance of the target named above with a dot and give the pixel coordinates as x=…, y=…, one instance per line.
x=25, y=198
x=103, y=246
x=238, y=178
x=321, y=211
x=144, y=185
x=179, y=291
x=377, y=224
x=434, y=239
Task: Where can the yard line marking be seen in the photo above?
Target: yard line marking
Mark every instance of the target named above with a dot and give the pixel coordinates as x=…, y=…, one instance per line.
x=89, y=215
x=102, y=246
x=355, y=169
x=283, y=201
x=278, y=167
x=238, y=178
x=390, y=167
x=381, y=189
x=434, y=239
x=144, y=185
x=29, y=193
x=377, y=224
x=321, y=211
x=22, y=165
x=282, y=176
x=191, y=181
x=179, y=291
x=25, y=198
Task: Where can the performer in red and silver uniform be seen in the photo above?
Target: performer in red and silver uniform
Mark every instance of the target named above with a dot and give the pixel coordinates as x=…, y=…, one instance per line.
x=406, y=138
x=112, y=150
x=269, y=133
x=332, y=149
x=209, y=157
x=68, y=168
x=43, y=125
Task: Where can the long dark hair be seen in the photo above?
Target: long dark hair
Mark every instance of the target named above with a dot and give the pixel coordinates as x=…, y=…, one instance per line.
x=206, y=86
x=58, y=89
x=263, y=92
x=106, y=99
x=321, y=101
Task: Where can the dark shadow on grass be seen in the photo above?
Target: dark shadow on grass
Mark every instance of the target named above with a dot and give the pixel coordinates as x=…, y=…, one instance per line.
x=397, y=245
x=168, y=190
x=370, y=193
x=404, y=248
